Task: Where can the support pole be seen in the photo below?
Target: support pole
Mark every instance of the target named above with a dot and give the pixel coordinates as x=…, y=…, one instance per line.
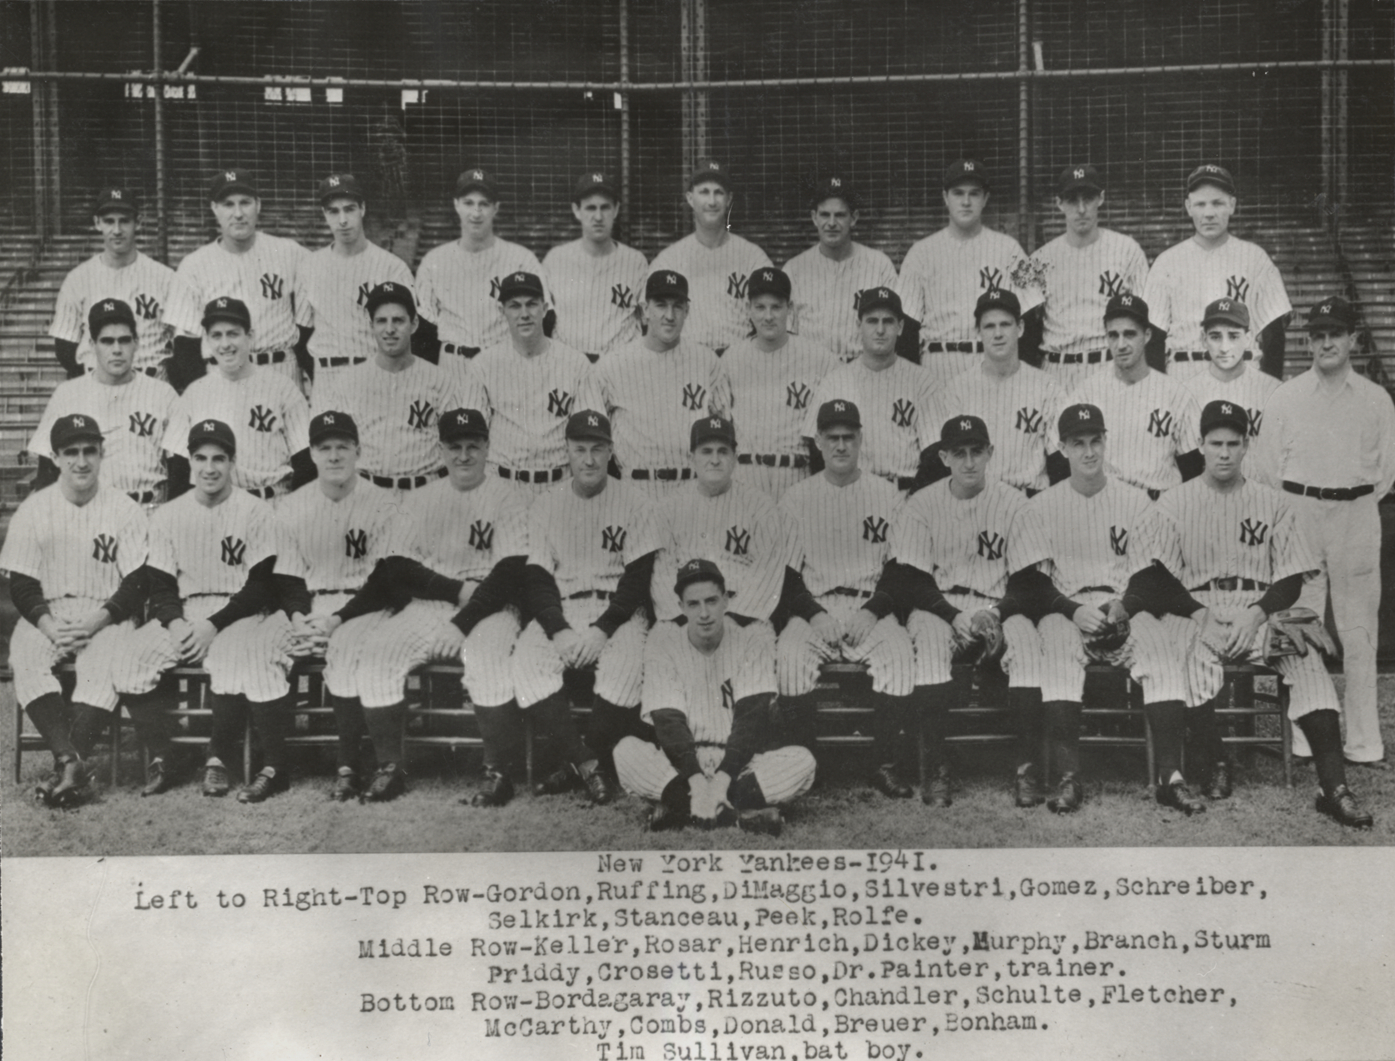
x=38, y=105
x=162, y=231
x=1025, y=230
x=1341, y=116
x=1328, y=188
x=52, y=128
x=625, y=107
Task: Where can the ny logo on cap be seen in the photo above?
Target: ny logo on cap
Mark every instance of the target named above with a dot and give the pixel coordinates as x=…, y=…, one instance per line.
x=691, y=566
x=108, y=307
x=79, y=421
x=518, y=278
x=1078, y=174
x=1211, y=169
x=1084, y=414
x=591, y=421
x=477, y=174
x=222, y=303
x=767, y=276
x=597, y=178
x=968, y=167
x=334, y=182
x=208, y=425
x=836, y=182
x=329, y=418
x=1223, y=304
x=1126, y=300
x=883, y=293
x=669, y=278
x=965, y=425
x=230, y=175
x=389, y=287
x=1227, y=408
x=1325, y=307
x=840, y=407
x=714, y=165
x=715, y=424
x=116, y=193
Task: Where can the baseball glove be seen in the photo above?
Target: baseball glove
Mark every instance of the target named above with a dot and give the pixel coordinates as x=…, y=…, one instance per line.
x=988, y=631
x=1117, y=631
x=1292, y=630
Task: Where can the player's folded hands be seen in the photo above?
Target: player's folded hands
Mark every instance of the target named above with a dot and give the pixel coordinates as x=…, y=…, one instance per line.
x=858, y=627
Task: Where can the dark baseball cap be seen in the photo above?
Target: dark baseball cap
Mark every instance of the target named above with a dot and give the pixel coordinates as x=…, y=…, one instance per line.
x=964, y=428
x=1226, y=311
x=838, y=411
x=595, y=182
x=878, y=298
x=698, y=571
x=997, y=298
x=1127, y=305
x=73, y=428
x=109, y=311
x=1073, y=177
x=709, y=170
x=332, y=424
x=589, y=424
x=114, y=197
x=340, y=186
x=965, y=170
x=215, y=431
x=710, y=428
x=475, y=179
x=227, y=181
x=520, y=284
x=390, y=292
x=1210, y=173
x=1332, y=311
x=835, y=187
x=227, y=309
x=1221, y=413
x=462, y=423
x=666, y=284
x=1080, y=419
x=768, y=281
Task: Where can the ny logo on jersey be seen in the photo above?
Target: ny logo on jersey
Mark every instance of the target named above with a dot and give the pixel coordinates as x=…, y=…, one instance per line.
x=262, y=419
x=797, y=394
x=902, y=412
x=147, y=307
x=104, y=549
x=874, y=529
x=363, y=290
x=142, y=424
x=1256, y=418
x=738, y=541
x=494, y=288
x=728, y=696
x=559, y=403
x=613, y=539
x=355, y=544
x=420, y=414
x=989, y=278
x=1111, y=284
x=1159, y=423
x=234, y=549
x=1237, y=287
x=1119, y=540
x=273, y=287
x=736, y=285
x=1253, y=531
x=621, y=296
x=481, y=535
x=1028, y=420
x=991, y=545
x=857, y=301
x=694, y=396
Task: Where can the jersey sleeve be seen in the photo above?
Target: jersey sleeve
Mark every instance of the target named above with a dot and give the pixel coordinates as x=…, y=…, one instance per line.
x=1028, y=541
x=511, y=534
x=760, y=590
x=428, y=301
x=300, y=296
x=662, y=686
x=38, y=445
x=1271, y=297
x=1135, y=270
x=719, y=392
x=161, y=555
x=182, y=310
x=588, y=391
x=540, y=551
x=134, y=539
x=21, y=553
x=1155, y=539
x=290, y=560
x=176, y=440
x=755, y=673
x=262, y=538
x=1052, y=406
x=1186, y=425
x=910, y=284
x=296, y=420
x=68, y=323
x=912, y=542
x=1157, y=292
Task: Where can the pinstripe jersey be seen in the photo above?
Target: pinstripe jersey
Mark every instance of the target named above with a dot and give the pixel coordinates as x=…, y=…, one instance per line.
x=132, y=417
x=825, y=295
x=464, y=533
x=706, y=687
x=266, y=411
x=331, y=291
x=78, y=551
x=1083, y=541
x=458, y=289
x=1149, y=424
x=595, y=296
x=211, y=550
x=1250, y=389
x=144, y=285
x=942, y=277
x=770, y=392
x=1079, y=283
x=898, y=407
x=264, y=278
x=396, y=413
x=1020, y=410
x=717, y=286
x=653, y=398
x=334, y=545
x=585, y=542
x=841, y=534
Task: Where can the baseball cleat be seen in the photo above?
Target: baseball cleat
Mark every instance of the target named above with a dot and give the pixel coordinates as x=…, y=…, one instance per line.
x=496, y=791
x=663, y=817
x=158, y=778
x=215, y=780
x=1341, y=807
x=885, y=781
x=265, y=785
x=1068, y=798
x=764, y=820
x=388, y=783
x=935, y=791
x=1027, y=787
x=1176, y=794
x=563, y=779
x=599, y=788
x=346, y=786
x=72, y=785
x=1221, y=783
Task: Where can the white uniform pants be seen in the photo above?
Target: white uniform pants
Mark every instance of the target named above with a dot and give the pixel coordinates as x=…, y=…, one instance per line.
x=33, y=657
x=1152, y=657
x=886, y=650
x=784, y=774
x=537, y=668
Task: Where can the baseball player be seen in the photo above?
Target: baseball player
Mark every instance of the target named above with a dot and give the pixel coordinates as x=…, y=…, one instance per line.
x=1226, y=325
x=1329, y=439
x=118, y=271
x=243, y=263
x=395, y=397
x=1225, y=556
x=527, y=386
x=596, y=280
x=1153, y=438
x=828, y=276
x=1076, y=274
x=654, y=386
x=129, y=407
x=841, y=521
x=772, y=376
x=74, y=554
x=581, y=536
x=332, y=284
x=1213, y=264
x=265, y=409
x=213, y=601
x=708, y=687
x=458, y=282
x=945, y=273
x=1085, y=527
x=1019, y=403
x=715, y=260
x=956, y=546
x=896, y=398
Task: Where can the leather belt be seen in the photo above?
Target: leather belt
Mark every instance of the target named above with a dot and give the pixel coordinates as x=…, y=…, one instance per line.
x=667, y=475
x=954, y=348
x=339, y=362
x=1097, y=589
x=456, y=348
x=901, y=482
x=597, y=594
x=1232, y=583
x=1330, y=493
x=1092, y=357
x=275, y=357
x=549, y=476
x=772, y=460
x=843, y=591
x=1201, y=355
x=965, y=591
x=405, y=482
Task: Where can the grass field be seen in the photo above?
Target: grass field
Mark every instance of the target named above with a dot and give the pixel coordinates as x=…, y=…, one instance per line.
x=841, y=812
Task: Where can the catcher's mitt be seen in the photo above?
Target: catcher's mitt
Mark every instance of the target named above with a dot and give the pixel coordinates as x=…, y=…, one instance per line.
x=1292, y=630
x=988, y=631
x=1117, y=631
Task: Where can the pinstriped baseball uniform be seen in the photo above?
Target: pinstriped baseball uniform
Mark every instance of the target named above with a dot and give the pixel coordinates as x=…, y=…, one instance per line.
x=584, y=543
x=132, y=417
x=1151, y=422
x=705, y=688
x=595, y=297
x=1086, y=542
x=331, y=291
x=268, y=415
x=825, y=295
x=79, y=554
x=1079, y=282
x=841, y=542
x=458, y=290
x=1250, y=532
x=1020, y=410
x=717, y=286
x=966, y=546
x=1187, y=277
x=1251, y=390
x=144, y=285
x=770, y=394
x=898, y=407
x=263, y=278
x=210, y=550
